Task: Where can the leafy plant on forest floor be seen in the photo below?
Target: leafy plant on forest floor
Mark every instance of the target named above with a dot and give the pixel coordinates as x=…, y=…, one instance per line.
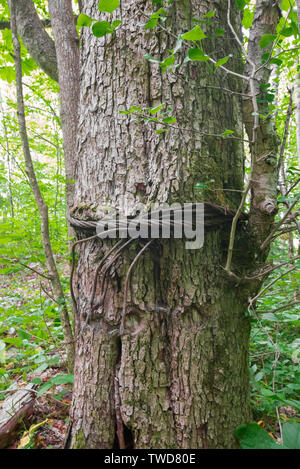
x=252, y=436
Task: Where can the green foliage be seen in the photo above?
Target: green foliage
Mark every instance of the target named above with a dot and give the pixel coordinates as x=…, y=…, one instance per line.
x=56, y=380
x=159, y=15
x=266, y=40
x=196, y=34
x=84, y=20
x=197, y=54
x=157, y=115
x=252, y=436
x=241, y=4
x=108, y=5
x=101, y=28
x=222, y=61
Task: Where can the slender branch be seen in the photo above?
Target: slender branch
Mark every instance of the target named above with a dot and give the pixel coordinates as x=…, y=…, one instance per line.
x=42, y=207
x=252, y=300
x=269, y=237
x=281, y=308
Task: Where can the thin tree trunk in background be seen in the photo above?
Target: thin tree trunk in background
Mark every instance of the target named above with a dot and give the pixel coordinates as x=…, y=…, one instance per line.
x=10, y=196
x=43, y=209
x=297, y=94
x=297, y=111
x=67, y=52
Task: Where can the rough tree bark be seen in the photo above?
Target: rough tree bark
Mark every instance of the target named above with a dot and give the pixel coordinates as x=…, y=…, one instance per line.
x=67, y=50
x=38, y=43
x=178, y=375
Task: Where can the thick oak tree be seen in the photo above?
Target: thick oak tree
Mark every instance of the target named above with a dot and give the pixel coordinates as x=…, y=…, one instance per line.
x=162, y=355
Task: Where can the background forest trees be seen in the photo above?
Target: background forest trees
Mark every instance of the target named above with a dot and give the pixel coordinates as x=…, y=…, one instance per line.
x=178, y=103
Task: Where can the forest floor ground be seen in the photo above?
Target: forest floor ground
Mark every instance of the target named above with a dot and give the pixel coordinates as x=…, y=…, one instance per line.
x=32, y=352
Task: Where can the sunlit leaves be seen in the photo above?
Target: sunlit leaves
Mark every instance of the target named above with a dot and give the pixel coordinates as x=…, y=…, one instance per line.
x=227, y=132
x=195, y=34
x=156, y=109
x=197, y=54
x=223, y=61
x=108, y=5
x=84, y=20
x=153, y=20
x=101, y=28
x=7, y=73
x=247, y=18
x=241, y=4
x=210, y=14
x=287, y=4
x=156, y=114
x=266, y=40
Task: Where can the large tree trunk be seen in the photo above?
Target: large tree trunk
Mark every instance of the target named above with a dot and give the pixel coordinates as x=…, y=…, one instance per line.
x=178, y=375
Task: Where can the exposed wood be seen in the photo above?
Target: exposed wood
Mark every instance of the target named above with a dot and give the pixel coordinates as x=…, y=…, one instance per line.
x=14, y=410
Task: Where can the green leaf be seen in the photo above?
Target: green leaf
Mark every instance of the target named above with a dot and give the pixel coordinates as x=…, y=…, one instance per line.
x=291, y=435
x=210, y=14
x=259, y=376
x=276, y=62
x=84, y=20
x=266, y=40
x=36, y=381
x=247, y=18
x=116, y=23
x=169, y=120
x=220, y=32
x=265, y=57
x=151, y=23
x=101, y=28
x=222, y=61
x=197, y=54
x=7, y=73
x=156, y=109
x=167, y=62
x=62, y=379
x=195, y=34
x=161, y=13
x=240, y=4
x=44, y=388
x=23, y=334
x=108, y=5
x=227, y=132
x=270, y=97
x=285, y=5
x=287, y=32
x=252, y=436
